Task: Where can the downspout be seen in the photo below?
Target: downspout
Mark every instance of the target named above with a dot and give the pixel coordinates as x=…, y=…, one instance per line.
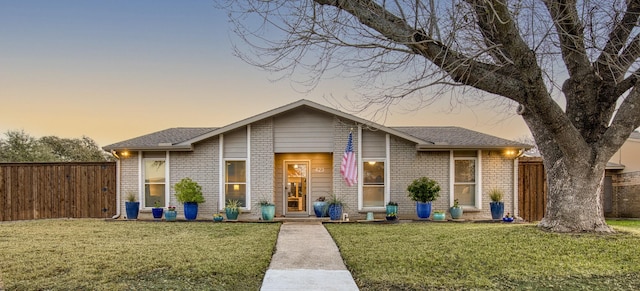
x=118, y=210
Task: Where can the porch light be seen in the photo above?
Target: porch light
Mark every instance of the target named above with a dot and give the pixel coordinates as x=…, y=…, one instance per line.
x=125, y=154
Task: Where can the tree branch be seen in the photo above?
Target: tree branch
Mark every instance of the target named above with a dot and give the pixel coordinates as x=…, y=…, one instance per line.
x=618, y=37
x=571, y=35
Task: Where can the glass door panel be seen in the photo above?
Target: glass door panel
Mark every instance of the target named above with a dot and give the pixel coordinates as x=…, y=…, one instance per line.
x=296, y=186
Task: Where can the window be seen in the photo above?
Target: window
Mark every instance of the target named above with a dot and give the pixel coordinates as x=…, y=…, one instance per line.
x=236, y=182
x=373, y=184
x=154, y=182
x=464, y=184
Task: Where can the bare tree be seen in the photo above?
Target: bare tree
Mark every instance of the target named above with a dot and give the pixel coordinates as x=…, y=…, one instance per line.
x=570, y=67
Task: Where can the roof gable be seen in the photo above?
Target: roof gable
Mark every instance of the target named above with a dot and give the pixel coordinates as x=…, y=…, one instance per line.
x=425, y=137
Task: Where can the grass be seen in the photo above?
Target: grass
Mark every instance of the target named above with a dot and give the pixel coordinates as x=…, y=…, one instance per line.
x=448, y=256
x=102, y=255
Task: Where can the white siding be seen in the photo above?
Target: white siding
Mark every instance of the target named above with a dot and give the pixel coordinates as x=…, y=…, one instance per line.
x=303, y=131
x=235, y=144
x=373, y=144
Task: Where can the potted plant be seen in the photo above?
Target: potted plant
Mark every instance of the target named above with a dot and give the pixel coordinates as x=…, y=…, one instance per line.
x=320, y=207
x=439, y=215
x=392, y=207
x=508, y=218
x=496, y=204
x=335, y=205
x=267, y=209
x=217, y=217
x=232, y=209
x=423, y=190
x=132, y=206
x=157, y=210
x=189, y=193
x=455, y=210
x=171, y=213
x=391, y=216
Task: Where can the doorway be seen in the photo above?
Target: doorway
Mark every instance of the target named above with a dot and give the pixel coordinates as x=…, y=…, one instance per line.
x=296, y=186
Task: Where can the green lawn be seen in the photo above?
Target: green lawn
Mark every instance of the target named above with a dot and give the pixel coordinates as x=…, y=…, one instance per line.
x=419, y=256
x=102, y=255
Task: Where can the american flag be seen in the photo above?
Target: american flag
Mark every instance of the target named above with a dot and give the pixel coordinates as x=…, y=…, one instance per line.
x=348, y=168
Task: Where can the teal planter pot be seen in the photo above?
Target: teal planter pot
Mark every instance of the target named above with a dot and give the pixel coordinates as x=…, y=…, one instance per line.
x=231, y=214
x=456, y=212
x=392, y=209
x=190, y=210
x=170, y=215
x=320, y=208
x=132, y=209
x=439, y=216
x=268, y=212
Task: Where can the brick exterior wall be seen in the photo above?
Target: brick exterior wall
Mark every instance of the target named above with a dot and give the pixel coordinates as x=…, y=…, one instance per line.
x=202, y=166
x=349, y=195
x=626, y=195
x=262, y=163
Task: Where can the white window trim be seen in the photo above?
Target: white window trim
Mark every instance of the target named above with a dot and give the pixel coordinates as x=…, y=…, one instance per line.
x=387, y=174
x=452, y=178
x=167, y=180
x=222, y=171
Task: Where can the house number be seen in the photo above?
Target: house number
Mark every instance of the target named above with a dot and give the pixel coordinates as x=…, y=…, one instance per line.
x=319, y=170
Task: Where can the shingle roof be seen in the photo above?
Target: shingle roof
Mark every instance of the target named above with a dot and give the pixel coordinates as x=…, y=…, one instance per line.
x=458, y=136
x=165, y=137
x=426, y=137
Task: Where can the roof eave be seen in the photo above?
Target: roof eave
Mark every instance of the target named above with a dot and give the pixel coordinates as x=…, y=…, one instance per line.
x=446, y=147
x=172, y=148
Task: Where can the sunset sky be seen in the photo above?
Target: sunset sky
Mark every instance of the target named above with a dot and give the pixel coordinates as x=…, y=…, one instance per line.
x=113, y=70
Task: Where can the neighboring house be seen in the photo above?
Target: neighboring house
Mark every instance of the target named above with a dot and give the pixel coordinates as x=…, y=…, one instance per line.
x=292, y=155
x=622, y=181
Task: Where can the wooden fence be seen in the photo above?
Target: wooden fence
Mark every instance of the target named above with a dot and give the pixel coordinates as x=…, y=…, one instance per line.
x=532, y=189
x=57, y=190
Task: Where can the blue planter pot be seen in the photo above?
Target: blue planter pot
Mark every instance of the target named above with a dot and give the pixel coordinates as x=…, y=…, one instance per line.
x=231, y=214
x=190, y=210
x=335, y=212
x=497, y=209
x=171, y=215
x=423, y=209
x=157, y=213
x=320, y=208
x=132, y=209
x=268, y=212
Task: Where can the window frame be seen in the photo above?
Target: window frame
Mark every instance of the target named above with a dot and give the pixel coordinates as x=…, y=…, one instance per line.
x=478, y=179
x=245, y=183
x=142, y=178
x=387, y=173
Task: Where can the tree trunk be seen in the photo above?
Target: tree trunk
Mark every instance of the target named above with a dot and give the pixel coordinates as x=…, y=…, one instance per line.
x=574, y=197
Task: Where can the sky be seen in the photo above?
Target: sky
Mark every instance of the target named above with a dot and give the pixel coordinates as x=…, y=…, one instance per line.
x=118, y=69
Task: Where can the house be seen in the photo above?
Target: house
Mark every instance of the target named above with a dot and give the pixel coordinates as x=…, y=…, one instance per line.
x=622, y=180
x=292, y=156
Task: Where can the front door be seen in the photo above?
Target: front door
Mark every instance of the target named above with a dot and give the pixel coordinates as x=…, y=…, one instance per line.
x=296, y=186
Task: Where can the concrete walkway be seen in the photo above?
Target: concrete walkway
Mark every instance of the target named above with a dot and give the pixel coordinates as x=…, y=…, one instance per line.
x=306, y=258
